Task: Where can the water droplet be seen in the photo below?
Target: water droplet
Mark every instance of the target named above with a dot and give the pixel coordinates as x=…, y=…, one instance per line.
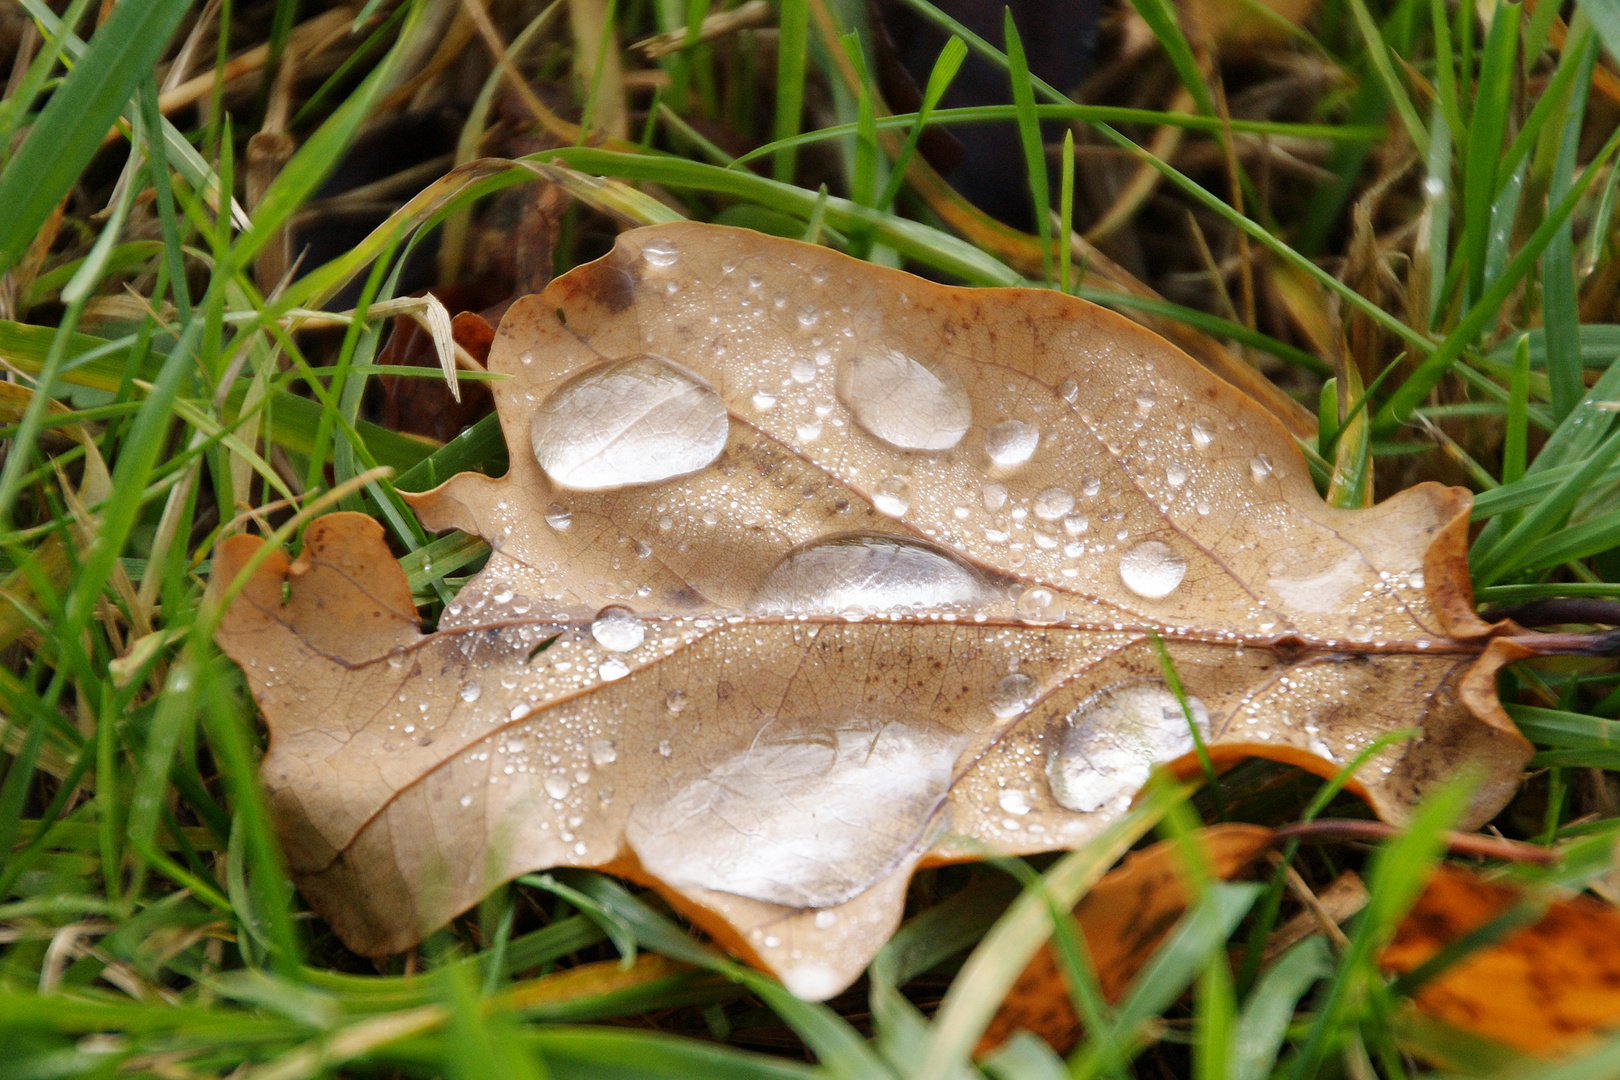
x=465, y=800
x=804, y=788
x=892, y=497
x=1089, y=486
x=1014, y=801
x=556, y=786
x=1416, y=579
x=1102, y=751
x=764, y=400
x=1152, y=570
x=904, y=402
x=1039, y=603
x=1069, y=391
x=612, y=669
x=676, y=701
x=618, y=628
x=802, y=369
x=825, y=920
x=809, y=432
x=470, y=691
x=995, y=496
x=869, y=573
x=634, y=421
x=1175, y=475
x=1203, y=433
x=559, y=517
x=660, y=252
x=603, y=752
x=1013, y=694
x=1075, y=524
x=664, y=749
x=1145, y=402
x=710, y=517
x=1011, y=442
x=1053, y=503
x=1259, y=467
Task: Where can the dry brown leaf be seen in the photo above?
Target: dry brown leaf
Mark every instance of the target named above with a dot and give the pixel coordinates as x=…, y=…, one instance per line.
x=843, y=572
x=1544, y=989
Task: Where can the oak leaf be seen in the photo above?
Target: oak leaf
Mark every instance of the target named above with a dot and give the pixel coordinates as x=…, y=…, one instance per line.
x=808, y=572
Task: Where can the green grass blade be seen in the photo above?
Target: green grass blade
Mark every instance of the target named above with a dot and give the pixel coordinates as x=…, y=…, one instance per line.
x=791, y=50
x=1029, y=135
x=78, y=116
x=1378, y=54
x=1482, y=174
x=1559, y=296
x=946, y=65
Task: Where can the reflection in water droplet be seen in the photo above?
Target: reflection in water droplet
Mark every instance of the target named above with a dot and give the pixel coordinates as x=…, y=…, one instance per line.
x=1011, y=442
x=1203, y=433
x=1152, y=570
x=1014, y=801
x=1259, y=467
x=1053, y=503
x=618, y=628
x=471, y=691
x=660, y=253
x=556, y=786
x=611, y=669
x=603, y=752
x=559, y=517
x=892, y=497
x=869, y=573
x=1013, y=694
x=1102, y=751
x=904, y=402
x=632, y=421
x=830, y=809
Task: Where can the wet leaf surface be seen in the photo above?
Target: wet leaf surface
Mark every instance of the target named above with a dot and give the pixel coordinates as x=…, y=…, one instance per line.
x=807, y=572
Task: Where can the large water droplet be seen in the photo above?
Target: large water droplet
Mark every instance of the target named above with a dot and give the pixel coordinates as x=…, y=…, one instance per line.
x=1259, y=467
x=1038, y=603
x=632, y=421
x=830, y=808
x=1053, y=503
x=1011, y=442
x=618, y=628
x=904, y=402
x=1014, y=801
x=1203, y=433
x=1012, y=695
x=1104, y=749
x=559, y=517
x=1152, y=569
x=869, y=573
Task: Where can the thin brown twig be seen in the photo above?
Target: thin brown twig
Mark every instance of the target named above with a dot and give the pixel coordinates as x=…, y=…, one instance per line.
x=1484, y=847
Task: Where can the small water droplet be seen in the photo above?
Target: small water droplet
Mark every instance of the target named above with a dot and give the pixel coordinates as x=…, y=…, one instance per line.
x=892, y=497
x=1203, y=433
x=1013, y=694
x=1089, y=486
x=1075, y=524
x=802, y=369
x=611, y=669
x=1152, y=569
x=995, y=496
x=1039, y=603
x=660, y=252
x=603, y=752
x=1259, y=467
x=1014, y=801
x=1145, y=402
x=1053, y=503
x=559, y=517
x=825, y=919
x=470, y=691
x=1069, y=391
x=764, y=400
x=675, y=701
x=1175, y=475
x=618, y=628
x=664, y=749
x=1416, y=578
x=1011, y=442
x=809, y=432
x=465, y=800
x=711, y=517
x=557, y=786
